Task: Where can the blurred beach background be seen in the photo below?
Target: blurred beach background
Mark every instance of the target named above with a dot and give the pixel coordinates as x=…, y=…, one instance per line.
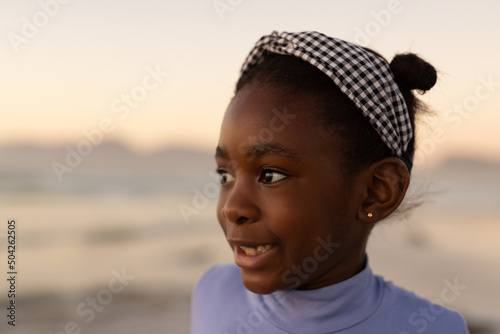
x=110, y=115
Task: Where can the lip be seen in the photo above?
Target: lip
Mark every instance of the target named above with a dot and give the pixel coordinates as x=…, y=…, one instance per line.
x=252, y=262
x=249, y=243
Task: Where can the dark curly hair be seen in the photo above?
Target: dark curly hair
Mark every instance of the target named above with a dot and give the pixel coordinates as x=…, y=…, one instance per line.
x=361, y=144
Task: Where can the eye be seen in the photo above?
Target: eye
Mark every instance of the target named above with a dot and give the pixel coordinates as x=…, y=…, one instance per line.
x=225, y=177
x=270, y=176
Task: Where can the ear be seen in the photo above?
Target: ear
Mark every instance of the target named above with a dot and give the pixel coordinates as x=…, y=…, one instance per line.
x=385, y=182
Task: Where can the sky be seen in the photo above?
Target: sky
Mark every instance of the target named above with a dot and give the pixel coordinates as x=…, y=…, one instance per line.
x=158, y=73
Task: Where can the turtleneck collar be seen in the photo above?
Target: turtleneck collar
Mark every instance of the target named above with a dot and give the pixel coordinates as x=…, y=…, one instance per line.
x=325, y=310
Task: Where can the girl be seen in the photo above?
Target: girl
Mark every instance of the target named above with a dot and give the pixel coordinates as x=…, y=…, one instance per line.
x=315, y=148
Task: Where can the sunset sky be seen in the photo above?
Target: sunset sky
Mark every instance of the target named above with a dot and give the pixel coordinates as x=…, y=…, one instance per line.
x=160, y=73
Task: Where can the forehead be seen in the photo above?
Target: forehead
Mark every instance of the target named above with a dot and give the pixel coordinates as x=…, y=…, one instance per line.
x=269, y=108
x=269, y=116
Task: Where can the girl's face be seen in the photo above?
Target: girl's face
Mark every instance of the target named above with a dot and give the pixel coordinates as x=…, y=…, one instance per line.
x=287, y=210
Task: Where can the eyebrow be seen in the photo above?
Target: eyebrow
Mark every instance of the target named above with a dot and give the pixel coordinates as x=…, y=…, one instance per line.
x=262, y=149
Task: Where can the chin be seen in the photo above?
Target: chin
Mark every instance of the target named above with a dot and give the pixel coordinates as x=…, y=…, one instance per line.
x=260, y=283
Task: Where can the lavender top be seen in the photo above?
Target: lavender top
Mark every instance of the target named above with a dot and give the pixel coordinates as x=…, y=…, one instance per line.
x=365, y=303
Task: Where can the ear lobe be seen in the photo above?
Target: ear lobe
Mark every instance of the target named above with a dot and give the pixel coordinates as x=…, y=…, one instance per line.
x=386, y=183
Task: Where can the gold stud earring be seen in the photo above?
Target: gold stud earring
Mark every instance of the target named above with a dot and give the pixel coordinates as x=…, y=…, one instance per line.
x=369, y=215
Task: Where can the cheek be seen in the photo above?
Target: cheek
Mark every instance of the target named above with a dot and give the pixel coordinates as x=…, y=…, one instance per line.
x=293, y=222
x=301, y=220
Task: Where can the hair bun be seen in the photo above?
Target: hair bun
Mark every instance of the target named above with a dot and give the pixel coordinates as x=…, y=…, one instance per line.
x=413, y=72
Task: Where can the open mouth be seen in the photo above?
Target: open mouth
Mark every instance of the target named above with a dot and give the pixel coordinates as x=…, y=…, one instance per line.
x=250, y=256
x=252, y=251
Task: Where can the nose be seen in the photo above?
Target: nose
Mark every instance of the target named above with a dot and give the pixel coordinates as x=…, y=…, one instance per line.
x=240, y=205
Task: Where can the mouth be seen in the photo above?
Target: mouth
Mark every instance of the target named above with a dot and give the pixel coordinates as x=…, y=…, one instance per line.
x=253, y=256
x=253, y=251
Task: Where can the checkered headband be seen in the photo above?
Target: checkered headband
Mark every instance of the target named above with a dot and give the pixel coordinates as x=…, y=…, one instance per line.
x=363, y=76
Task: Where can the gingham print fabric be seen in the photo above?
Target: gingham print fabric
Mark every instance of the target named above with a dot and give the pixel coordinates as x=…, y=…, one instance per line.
x=363, y=76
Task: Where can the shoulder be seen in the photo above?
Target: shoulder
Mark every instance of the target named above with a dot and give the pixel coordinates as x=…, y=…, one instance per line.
x=221, y=276
x=413, y=313
x=217, y=285
x=218, y=299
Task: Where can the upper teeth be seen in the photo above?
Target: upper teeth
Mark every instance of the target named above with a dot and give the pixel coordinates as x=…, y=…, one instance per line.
x=255, y=250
